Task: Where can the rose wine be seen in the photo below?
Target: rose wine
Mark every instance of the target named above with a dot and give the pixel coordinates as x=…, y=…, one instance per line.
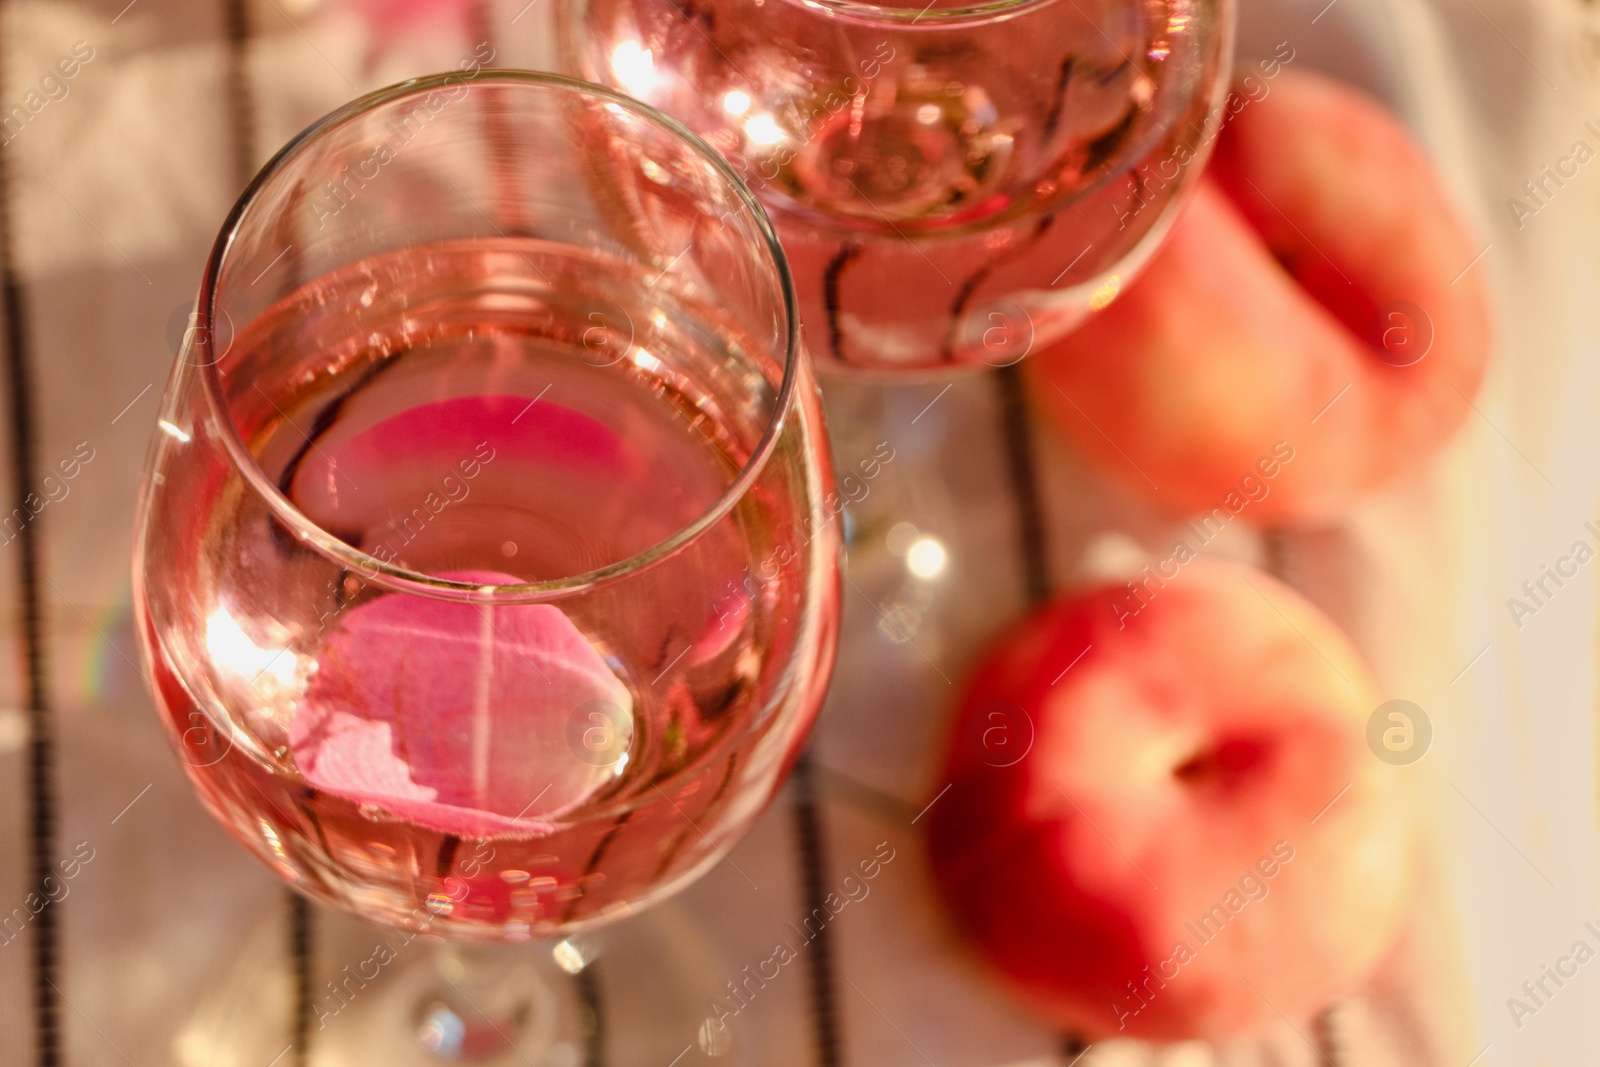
x=948, y=190
x=493, y=413
x=887, y=297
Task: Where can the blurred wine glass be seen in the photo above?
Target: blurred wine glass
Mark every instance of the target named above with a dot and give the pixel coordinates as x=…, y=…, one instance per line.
x=955, y=182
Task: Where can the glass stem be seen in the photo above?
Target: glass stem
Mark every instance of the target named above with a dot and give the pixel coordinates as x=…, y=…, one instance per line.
x=486, y=1001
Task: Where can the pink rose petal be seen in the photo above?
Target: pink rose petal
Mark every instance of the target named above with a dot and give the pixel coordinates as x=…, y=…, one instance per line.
x=410, y=455
x=458, y=716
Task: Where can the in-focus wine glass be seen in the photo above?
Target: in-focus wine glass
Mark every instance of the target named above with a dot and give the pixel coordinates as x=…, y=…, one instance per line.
x=955, y=181
x=484, y=567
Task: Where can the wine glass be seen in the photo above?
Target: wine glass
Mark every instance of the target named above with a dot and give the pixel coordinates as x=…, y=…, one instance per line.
x=483, y=566
x=955, y=181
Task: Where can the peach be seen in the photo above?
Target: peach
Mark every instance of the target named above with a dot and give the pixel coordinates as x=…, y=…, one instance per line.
x=1314, y=291
x=1197, y=838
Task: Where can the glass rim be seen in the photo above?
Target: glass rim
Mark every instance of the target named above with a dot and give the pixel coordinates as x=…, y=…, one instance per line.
x=404, y=579
x=965, y=15
x=992, y=10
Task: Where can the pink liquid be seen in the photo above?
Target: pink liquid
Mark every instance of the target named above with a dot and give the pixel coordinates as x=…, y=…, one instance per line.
x=946, y=196
x=500, y=412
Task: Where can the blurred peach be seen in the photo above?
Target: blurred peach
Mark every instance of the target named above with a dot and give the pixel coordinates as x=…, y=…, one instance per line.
x=1166, y=823
x=1315, y=291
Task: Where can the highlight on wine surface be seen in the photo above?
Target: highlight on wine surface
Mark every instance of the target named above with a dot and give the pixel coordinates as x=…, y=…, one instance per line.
x=955, y=183
x=484, y=574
